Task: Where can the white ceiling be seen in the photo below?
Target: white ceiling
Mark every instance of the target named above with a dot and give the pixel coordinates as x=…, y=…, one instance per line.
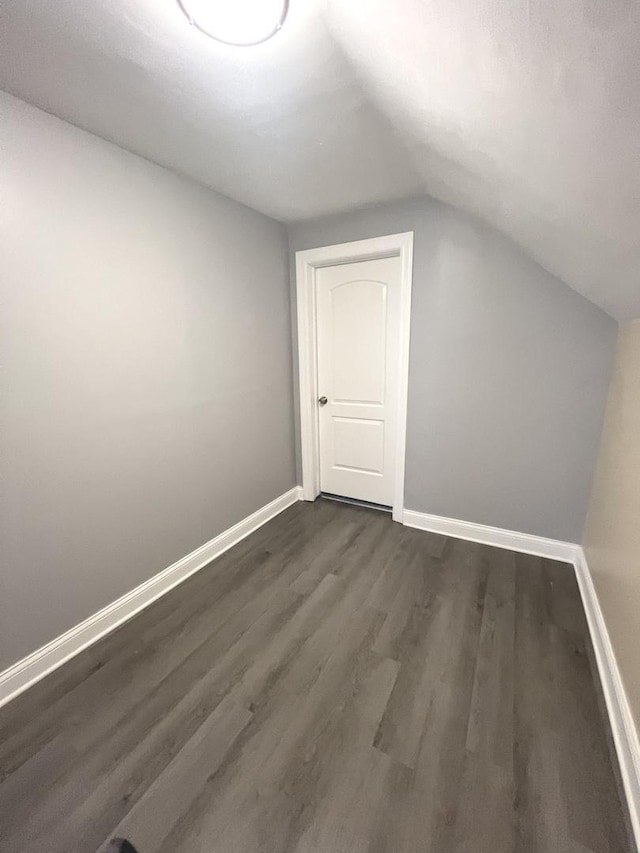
x=523, y=112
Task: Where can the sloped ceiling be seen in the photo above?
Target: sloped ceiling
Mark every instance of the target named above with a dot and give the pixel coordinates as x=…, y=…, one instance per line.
x=525, y=113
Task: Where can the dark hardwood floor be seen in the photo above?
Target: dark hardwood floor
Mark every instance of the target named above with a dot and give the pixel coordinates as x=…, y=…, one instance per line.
x=336, y=683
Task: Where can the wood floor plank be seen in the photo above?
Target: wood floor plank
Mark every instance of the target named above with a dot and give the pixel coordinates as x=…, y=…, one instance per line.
x=274, y=777
x=155, y=814
x=115, y=774
x=486, y=816
x=436, y=752
x=433, y=640
x=336, y=682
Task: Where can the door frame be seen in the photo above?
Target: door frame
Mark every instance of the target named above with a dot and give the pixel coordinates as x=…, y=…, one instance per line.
x=307, y=262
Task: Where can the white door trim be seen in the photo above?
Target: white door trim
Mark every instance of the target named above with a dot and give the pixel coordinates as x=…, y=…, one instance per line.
x=307, y=262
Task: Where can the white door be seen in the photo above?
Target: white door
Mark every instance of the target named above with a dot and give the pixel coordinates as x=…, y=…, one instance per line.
x=358, y=343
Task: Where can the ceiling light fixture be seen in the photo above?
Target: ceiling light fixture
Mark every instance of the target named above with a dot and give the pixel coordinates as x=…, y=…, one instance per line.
x=237, y=22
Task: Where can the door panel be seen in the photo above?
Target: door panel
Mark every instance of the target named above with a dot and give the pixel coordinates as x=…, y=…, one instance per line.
x=357, y=315
x=358, y=318
x=358, y=444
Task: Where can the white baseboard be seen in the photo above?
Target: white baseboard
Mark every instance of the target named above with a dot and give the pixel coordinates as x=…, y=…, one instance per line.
x=552, y=549
x=624, y=732
x=31, y=669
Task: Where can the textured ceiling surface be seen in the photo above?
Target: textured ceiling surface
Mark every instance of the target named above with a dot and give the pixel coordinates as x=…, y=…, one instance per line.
x=525, y=113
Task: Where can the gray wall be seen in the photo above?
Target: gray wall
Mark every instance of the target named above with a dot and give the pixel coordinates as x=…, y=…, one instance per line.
x=509, y=371
x=146, y=372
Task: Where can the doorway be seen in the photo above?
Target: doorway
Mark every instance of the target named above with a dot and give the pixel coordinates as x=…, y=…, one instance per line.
x=354, y=303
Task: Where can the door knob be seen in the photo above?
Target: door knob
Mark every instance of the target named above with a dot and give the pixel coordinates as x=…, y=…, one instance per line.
x=323, y=401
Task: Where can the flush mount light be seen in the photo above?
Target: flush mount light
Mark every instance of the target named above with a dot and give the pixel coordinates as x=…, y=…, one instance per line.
x=237, y=22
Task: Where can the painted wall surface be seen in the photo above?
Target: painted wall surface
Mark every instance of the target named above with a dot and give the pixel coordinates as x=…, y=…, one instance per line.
x=508, y=376
x=612, y=531
x=146, y=372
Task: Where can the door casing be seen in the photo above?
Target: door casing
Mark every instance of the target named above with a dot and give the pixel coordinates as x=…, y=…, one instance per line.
x=307, y=262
